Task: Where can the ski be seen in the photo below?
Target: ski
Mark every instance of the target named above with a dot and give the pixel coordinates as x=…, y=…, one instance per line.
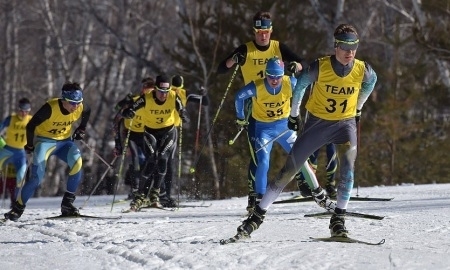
x=83, y=216
x=162, y=208
x=120, y=201
x=352, y=214
x=342, y=239
x=131, y=210
x=238, y=237
x=370, y=199
x=193, y=206
x=355, y=198
x=295, y=200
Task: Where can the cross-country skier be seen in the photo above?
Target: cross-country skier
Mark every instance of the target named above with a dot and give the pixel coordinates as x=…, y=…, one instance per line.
x=341, y=85
x=52, y=125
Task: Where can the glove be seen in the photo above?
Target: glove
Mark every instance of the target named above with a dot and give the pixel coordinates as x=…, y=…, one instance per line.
x=29, y=149
x=128, y=113
x=183, y=116
x=238, y=58
x=202, y=91
x=293, y=67
x=79, y=134
x=294, y=123
x=357, y=116
x=241, y=123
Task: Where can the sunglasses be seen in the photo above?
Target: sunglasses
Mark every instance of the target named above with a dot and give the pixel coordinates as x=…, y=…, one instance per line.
x=73, y=103
x=163, y=90
x=347, y=45
x=262, y=31
x=274, y=77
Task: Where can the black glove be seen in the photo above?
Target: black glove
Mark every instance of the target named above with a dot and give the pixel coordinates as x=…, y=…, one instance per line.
x=294, y=123
x=241, y=123
x=238, y=58
x=79, y=134
x=357, y=116
x=29, y=149
x=128, y=113
x=183, y=116
x=293, y=67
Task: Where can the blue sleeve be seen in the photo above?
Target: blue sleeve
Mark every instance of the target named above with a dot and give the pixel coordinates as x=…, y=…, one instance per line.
x=293, y=82
x=244, y=93
x=367, y=86
x=5, y=123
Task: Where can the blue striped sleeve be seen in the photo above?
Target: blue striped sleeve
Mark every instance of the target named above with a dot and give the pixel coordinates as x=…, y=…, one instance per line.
x=244, y=93
x=367, y=86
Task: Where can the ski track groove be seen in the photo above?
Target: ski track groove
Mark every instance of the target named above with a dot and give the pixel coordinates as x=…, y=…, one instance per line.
x=89, y=239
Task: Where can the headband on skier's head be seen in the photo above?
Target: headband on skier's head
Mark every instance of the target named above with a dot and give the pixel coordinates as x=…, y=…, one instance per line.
x=346, y=41
x=162, y=83
x=74, y=97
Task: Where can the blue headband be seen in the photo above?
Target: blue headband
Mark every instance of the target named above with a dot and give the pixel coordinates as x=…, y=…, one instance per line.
x=73, y=95
x=346, y=37
x=263, y=24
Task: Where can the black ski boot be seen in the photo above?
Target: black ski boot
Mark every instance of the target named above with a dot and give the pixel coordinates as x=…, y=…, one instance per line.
x=16, y=212
x=67, y=208
x=166, y=201
x=305, y=191
x=330, y=188
x=337, y=223
x=253, y=222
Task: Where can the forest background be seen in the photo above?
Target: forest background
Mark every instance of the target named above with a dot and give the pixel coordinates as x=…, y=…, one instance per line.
x=109, y=46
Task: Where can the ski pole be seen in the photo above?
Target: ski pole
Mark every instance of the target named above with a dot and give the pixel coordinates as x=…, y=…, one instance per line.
x=192, y=169
x=4, y=174
x=124, y=152
x=180, y=140
x=197, y=135
x=271, y=141
x=95, y=153
x=231, y=142
x=358, y=132
x=110, y=166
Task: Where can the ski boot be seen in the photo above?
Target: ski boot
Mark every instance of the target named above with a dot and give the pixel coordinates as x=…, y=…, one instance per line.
x=321, y=198
x=166, y=201
x=253, y=222
x=154, y=198
x=253, y=201
x=305, y=191
x=16, y=212
x=138, y=202
x=67, y=208
x=337, y=223
x=330, y=188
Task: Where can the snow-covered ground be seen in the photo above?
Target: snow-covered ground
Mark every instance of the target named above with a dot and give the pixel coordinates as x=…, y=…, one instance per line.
x=416, y=229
